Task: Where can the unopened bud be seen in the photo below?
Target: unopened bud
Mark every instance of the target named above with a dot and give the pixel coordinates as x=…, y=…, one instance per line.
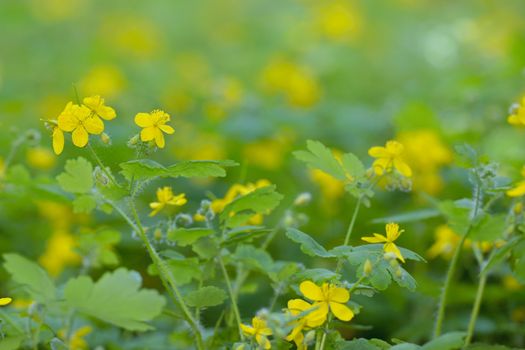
x=518, y=208
x=134, y=140
x=367, y=268
x=157, y=235
x=389, y=256
x=105, y=138
x=302, y=199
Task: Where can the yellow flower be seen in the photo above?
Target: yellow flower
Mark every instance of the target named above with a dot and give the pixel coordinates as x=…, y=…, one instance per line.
x=327, y=297
x=392, y=233
x=97, y=106
x=76, y=340
x=517, y=116
x=154, y=124
x=165, y=197
x=106, y=80
x=59, y=253
x=5, y=301
x=519, y=189
x=258, y=330
x=81, y=122
x=297, y=307
x=58, y=140
x=388, y=158
x=338, y=20
x=40, y=158
x=445, y=244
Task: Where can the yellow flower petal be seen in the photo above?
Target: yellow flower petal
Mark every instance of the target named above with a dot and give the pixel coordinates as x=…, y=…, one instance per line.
x=376, y=239
x=143, y=120
x=392, y=248
x=148, y=133
x=392, y=231
x=341, y=311
x=58, y=140
x=93, y=125
x=517, y=191
x=296, y=306
x=378, y=152
x=402, y=167
x=263, y=342
x=159, y=138
x=311, y=290
x=5, y=301
x=80, y=137
x=247, y=330
x=67, y=121
x=166, y=128
x=339, y=295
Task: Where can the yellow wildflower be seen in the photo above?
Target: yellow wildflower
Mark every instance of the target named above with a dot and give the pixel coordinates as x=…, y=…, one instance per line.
x=165, y=197
x=310, y=320
x=154, y=124
x=327, y=297
x=338, y=20
x=445, y=244
x=259, y=331
x=519, y=189
x=106, y=80
x=81, y=122
x=59, y=253
x=388, y=158
x=517, y=115
x=5, y=301
x=96, y=105
x=392, y=233
x=40, y=158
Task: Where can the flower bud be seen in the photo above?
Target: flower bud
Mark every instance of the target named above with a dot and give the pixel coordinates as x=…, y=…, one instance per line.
x=105, y=138
x=302, y=199
x=389, y=256
x=367, y=268
x=518, y=208
x=134, y=141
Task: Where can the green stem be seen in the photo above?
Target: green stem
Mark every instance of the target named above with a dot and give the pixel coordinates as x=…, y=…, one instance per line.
x=349, y=232
x=475, y=309
x=453, y=267
x=232, y=296
x=164, y=273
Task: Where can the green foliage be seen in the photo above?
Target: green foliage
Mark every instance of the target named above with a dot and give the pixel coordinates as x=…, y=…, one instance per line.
x=115, y=298
x=489, y=228
x=187, y=236
x=77, y=177
x=147, y=169
x=321, y=157
x=308, y=245
x=34, y=280
x=206, y=297
x=84, y=204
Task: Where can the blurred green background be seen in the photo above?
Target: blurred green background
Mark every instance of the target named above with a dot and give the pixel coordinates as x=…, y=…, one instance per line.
x=251, y=81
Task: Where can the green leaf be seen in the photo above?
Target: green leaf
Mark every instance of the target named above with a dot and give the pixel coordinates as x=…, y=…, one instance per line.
x=187, y=236
x=254, y=258
x=206, y=296
x=32, y=277
x=416, y=215
x=500, y=253
x=357, y=344
x=458, y=216
x=353, y=166
x=184, y=270
x=11, y=343
x=260, y=201
x=447, y=341
x=84, y=204
x=115, y=298
x=316, y=275
x=77, y=177
x=405, y=346
x=308, y=245
x=321, y=157
x=489, y=228
x=146, y=169
x=380, y=277
x=489, y=347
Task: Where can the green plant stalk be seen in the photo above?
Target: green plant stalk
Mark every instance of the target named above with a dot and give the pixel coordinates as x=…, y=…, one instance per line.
x=165, y=275
x=349, y=231
x=452, y=269
x=101, y=165
x=475, y=309
x=232, y=296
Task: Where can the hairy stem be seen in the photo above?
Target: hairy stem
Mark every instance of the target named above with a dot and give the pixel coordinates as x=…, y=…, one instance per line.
x=101, y=165
x=164, y=273
x=475, y=309
x=232, y=296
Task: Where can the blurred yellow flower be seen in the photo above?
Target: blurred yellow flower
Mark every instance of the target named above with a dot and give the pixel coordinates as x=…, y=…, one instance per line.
x=388, y=158
x=57, y=10
x=331, y=188
x=5, y=301
x=338, y=20
x=267, y=153
x=258, y=331
x=326, y=298
x=294, y=82
x=59, y=253
x=445, y=243
x=81, y=122
x=40, y=158
x=154, y=124
x=76, y=340
x=106, y=80
x=426, y=154
x=392, y=233
x=519, y=189
x=165, y=197
x=96, y=105
x=58, y=215
x=517, y=115
x=133, y=35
